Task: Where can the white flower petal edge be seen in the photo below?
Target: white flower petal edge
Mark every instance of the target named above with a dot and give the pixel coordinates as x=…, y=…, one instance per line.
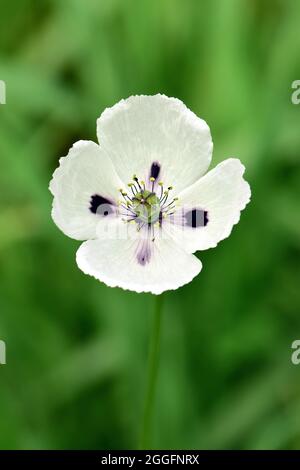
x=142, y=130
x=223, y=193
x=114, y=262
x=84, y=172
x=140, y=197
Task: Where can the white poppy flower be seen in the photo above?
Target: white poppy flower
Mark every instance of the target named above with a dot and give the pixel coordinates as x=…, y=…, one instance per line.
x=149, y=169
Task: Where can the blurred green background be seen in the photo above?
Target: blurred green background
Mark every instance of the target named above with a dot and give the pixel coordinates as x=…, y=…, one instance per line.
x=76, y=349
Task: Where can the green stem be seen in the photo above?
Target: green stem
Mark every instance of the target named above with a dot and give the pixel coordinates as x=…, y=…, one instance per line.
x=152, y=373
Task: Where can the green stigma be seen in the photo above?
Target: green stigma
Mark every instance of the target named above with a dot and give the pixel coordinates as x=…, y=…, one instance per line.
x=146, y=205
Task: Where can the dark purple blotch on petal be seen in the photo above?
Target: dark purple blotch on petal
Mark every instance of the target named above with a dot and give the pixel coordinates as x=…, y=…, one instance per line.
x=155, y=170
x=144, y=254
x=100, y=205
x=196, y=218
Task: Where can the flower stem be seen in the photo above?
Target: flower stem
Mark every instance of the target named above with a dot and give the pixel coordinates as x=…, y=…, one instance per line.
x=152, y=373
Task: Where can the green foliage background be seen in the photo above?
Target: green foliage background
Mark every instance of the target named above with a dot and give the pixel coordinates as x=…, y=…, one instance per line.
x=76, y=349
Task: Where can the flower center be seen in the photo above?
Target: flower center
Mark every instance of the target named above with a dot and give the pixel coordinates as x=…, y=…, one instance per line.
x=146, y=205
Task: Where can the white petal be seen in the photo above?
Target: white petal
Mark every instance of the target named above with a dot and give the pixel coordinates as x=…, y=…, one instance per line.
x=115, y=262
x=141, y=130
x=223, y=193
x=84, y=172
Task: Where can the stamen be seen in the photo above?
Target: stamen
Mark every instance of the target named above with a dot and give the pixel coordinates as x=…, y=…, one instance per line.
x=161, y=184
x=175, y=199
x=127, y=199
x=126, y=215
x=140, y=227
x=128, y=209
x=165, y=198
x=135, y=178
x=153, y=235
x=133, y=188
x=152, y=179
x=144, y=207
